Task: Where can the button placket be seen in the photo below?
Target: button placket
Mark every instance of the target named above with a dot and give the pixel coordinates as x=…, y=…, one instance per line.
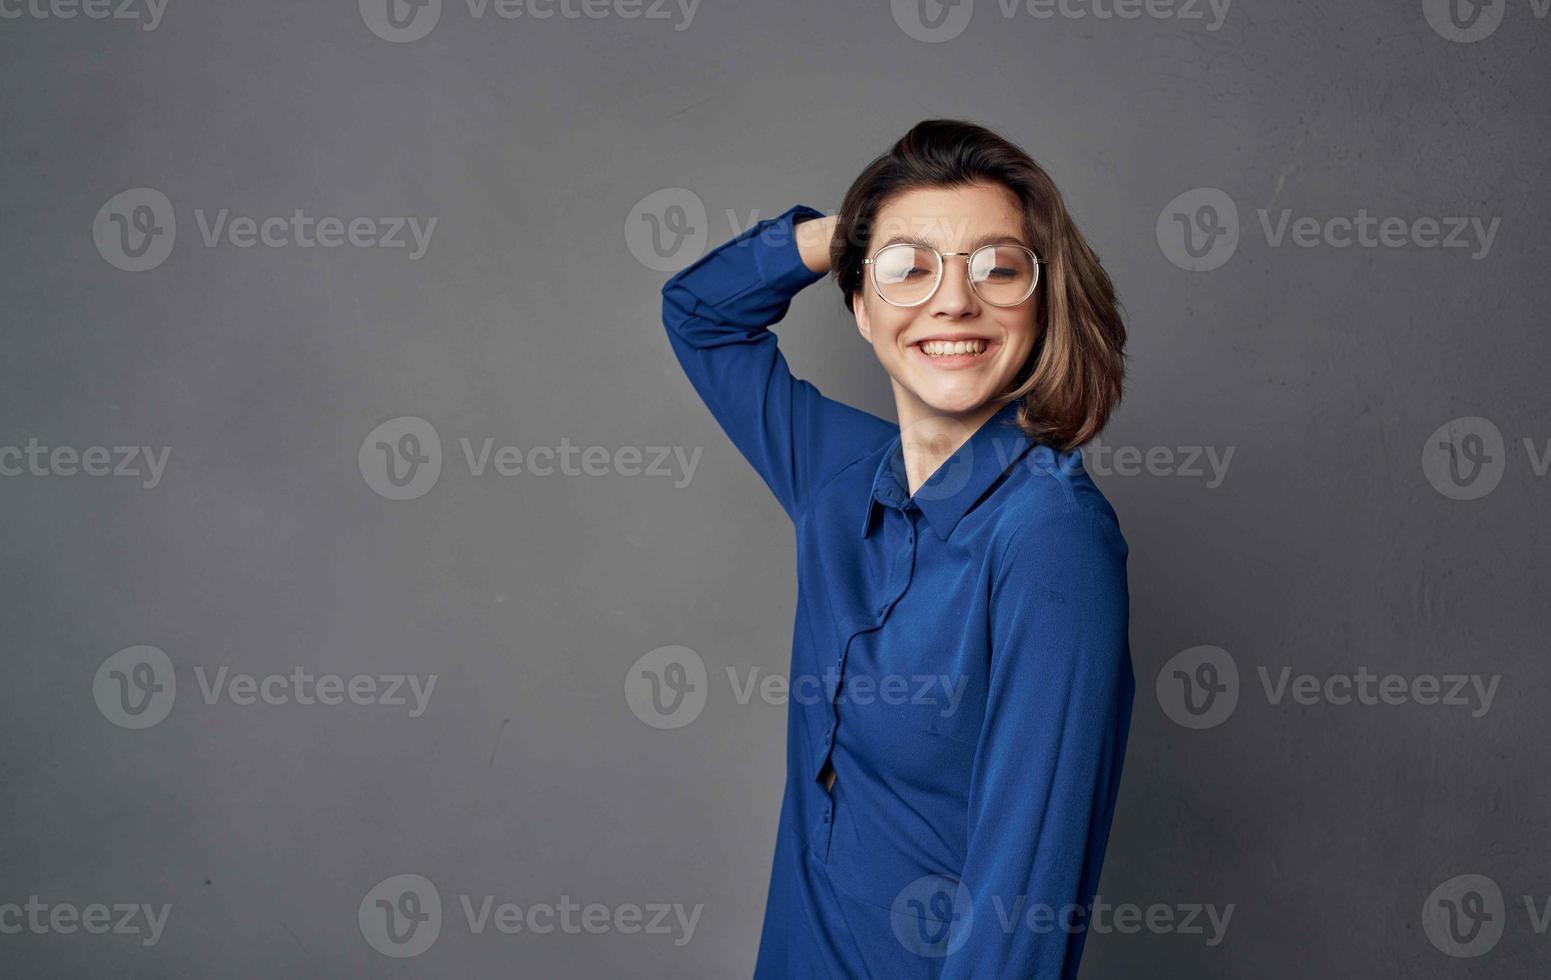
x=904, y=563
x=904, y=569
x=827, y=820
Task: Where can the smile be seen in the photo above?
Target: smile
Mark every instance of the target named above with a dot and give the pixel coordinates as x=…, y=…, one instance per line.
x=959, y=352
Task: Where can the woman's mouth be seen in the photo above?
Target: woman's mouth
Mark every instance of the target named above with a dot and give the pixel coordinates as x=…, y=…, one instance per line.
x=959, y=353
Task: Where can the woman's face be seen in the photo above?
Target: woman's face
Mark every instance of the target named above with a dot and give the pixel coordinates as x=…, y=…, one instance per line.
x=916, y=344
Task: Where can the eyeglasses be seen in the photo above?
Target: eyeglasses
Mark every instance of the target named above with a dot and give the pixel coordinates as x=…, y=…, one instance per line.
x=906, y=274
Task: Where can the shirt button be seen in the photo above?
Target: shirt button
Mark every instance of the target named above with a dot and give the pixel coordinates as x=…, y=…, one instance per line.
x=826, y=739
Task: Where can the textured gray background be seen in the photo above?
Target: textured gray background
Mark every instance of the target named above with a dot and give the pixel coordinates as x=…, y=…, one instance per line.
x=530, y=320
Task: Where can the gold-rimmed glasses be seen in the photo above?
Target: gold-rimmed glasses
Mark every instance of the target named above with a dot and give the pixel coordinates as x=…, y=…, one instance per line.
x=908, y=274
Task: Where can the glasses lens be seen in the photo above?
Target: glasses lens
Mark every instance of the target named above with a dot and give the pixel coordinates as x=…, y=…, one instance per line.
x=1003, y=274
x=905, y=274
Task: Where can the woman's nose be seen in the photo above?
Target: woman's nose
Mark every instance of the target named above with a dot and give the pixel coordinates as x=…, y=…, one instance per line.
x=954, y=294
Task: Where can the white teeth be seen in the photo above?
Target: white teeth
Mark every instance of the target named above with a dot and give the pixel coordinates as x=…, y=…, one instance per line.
x=947, y=348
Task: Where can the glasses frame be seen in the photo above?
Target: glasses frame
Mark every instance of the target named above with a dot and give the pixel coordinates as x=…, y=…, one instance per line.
x=942, y=266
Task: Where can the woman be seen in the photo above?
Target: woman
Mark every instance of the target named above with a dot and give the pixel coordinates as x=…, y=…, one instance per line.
x=961, y=681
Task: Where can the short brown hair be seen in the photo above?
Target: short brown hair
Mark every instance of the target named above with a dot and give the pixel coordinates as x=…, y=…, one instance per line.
x=1072, y=381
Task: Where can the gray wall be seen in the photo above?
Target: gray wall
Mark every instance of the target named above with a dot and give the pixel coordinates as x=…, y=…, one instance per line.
x=1336, y=540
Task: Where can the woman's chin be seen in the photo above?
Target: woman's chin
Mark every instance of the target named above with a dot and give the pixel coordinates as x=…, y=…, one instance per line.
x=956, y=404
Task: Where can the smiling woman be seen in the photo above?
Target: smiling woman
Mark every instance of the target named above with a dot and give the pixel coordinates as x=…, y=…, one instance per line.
x=953, y=186
x=964, y=541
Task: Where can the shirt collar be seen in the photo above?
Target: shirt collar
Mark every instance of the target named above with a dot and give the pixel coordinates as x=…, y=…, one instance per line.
x=961, y=480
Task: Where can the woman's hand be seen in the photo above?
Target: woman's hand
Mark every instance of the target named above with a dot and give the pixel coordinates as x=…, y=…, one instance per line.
x=813, y=238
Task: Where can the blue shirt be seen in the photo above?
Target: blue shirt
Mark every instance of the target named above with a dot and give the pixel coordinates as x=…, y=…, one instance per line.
x=960, y=655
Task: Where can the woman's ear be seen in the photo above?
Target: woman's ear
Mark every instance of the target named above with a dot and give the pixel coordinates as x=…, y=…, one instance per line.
x=863, y=322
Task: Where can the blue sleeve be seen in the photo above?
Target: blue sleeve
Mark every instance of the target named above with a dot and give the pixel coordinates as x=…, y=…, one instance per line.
x=717, y=312
x=1047, y=765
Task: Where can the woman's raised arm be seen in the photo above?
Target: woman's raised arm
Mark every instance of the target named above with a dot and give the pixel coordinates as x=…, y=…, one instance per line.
x=718, y=311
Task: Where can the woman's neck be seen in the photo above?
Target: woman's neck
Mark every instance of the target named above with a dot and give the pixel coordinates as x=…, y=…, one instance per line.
x=927, y=437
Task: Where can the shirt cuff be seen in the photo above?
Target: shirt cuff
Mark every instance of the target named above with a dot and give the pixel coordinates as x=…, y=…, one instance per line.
x=776, y=255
